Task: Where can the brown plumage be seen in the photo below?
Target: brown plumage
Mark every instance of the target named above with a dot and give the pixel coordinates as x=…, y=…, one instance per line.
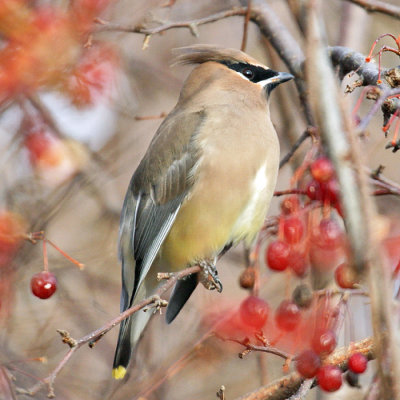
x=199, y=54
x=204, y=184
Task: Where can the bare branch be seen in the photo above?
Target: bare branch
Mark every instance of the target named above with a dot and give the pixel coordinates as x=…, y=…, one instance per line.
x=337, y=133
x=378, y=6
x=94, y=336
x=294, y=148
x=188, y=24
x=246, y=26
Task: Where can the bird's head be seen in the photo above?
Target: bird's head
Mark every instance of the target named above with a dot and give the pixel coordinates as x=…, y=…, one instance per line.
x=233, y=61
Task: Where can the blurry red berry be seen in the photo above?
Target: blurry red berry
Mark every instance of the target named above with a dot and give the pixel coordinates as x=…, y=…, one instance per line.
x=298, y=263
x=12, y=229
x=278, y=255
x=322, y=169
x=358, y=363
x=308, y=364
x=43, y=284
x=254, y=312
x=329, y=378
x=330, y=191
x=38, y=143
x=293, y=229
x=287, y=315
x=94, y=76
x=323, y=342
x=329, y=234
x=345, y=276
x=290, y=204
x=313, y=190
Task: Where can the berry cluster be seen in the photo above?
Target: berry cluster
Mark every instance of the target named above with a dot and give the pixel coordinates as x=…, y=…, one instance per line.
x=308, y=237
x=308, y=364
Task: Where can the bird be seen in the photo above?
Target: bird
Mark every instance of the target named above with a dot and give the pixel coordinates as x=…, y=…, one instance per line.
x=204, y=184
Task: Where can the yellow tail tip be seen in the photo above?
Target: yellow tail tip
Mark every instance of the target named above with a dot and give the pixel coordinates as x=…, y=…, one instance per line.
x=119, y=372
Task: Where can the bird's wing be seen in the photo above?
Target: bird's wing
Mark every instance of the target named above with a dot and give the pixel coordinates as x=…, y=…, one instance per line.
x=155, y=195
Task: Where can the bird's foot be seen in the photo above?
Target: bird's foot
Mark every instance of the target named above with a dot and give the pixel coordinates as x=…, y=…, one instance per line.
x=209, y=276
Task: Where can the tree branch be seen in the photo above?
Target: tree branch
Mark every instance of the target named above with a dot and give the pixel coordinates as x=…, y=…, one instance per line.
x=289, y=385
x=378, y=6
x=339, y=138
x=93, y=337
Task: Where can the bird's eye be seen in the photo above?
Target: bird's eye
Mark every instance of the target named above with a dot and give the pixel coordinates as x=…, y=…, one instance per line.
x=248, y=73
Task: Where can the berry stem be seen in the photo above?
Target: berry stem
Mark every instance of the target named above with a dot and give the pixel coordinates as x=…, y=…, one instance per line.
x=69, y=258
x=45, y=258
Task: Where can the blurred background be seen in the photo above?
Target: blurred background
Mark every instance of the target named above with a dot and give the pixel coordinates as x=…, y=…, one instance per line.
x=79, y=106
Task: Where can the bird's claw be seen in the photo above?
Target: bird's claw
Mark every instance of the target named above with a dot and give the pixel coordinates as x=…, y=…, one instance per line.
x=209, y=277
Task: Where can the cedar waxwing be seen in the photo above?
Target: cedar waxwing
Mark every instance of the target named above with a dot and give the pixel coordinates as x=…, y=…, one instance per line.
x=204, y=184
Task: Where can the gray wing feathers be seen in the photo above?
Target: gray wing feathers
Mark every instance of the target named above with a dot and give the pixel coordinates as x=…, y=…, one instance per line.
x=155, y=195
x=152, y=226
x=126, y=233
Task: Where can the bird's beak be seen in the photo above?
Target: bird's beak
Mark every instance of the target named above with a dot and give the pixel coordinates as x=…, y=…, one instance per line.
x=282, y=77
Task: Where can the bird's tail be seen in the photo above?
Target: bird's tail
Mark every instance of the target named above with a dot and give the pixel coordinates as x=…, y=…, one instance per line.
x=130, y=332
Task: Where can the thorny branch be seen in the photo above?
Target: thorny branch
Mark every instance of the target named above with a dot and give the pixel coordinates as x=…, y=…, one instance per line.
x=93, y=337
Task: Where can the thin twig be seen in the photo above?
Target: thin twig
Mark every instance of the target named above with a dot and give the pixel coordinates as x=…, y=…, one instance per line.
x=246, y=26
x=385, y=183
x=188, y=24
x=378, y=104
x=93, y=336
x=263, y=349
x=378, y=6
x=294, y=148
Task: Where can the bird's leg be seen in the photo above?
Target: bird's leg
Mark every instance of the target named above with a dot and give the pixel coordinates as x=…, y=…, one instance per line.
x=209, y=275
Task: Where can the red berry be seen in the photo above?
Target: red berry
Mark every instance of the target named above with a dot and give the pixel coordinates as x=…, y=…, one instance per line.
x=298, y=263
x=323, y=342
x=329, y=234
x=287, y=315
x=345, y=276
x=290, y=205
x=358, y=363
x=329, y=378
x=322, y=169
x=293, y=229
x=254, y=312
x=278, y=255
x=313, y=190
x=43, y=284
x=330, y=191
x=308, y=364
x=38, y=143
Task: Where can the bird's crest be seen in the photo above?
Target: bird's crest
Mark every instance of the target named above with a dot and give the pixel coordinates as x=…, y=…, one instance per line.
x=202, y=53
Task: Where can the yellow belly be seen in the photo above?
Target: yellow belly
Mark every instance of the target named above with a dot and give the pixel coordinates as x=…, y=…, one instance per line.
x=205, y=223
